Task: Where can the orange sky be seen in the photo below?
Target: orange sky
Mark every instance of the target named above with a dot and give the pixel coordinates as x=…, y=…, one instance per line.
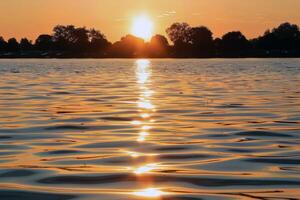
x=29, y=18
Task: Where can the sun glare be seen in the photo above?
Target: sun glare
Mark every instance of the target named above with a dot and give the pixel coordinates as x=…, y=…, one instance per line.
x=150, y=192
x=142, y=27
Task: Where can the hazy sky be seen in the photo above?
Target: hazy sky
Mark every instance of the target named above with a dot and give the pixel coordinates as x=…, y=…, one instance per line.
x=29, y=18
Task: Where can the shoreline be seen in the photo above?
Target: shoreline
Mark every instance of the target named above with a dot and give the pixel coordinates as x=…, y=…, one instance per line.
x=250, y=57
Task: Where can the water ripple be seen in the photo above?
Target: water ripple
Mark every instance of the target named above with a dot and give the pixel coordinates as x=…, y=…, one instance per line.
x=157, y=129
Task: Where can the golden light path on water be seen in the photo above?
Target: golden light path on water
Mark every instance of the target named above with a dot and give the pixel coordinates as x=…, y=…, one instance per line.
x=145, y=106
x=150, y=192
x=146, y=109
x=157, y=130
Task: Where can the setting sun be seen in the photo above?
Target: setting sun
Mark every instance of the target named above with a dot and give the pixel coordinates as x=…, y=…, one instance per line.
x=149, y=99
x=142, y=27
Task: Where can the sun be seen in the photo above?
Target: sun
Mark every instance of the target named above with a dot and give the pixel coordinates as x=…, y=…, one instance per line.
x=142, y=27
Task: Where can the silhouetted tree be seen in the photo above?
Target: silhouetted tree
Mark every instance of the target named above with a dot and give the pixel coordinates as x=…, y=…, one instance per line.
x=202, y=41
x=79, y=40
x=63, y=37
x=217, y=46
x=13, y=45
x=98, y=41
x=191, y=41
x=158, y=46
x=71, y=41
x=285, y=37
x=44, y=43
x=234, y=44
x=179, y=34
x=3, y=44
x=25, y=45
x=128, y=47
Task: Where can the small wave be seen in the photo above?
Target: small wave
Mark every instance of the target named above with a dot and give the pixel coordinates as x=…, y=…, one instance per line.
x=66, y=127
x=197, y=181
x=17, y=173
x=261, y=134
x=281, y=161
x=30, y=195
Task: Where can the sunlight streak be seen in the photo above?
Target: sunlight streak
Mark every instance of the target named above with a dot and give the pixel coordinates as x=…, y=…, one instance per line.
x=150, y=192
x=143, y=74
x=145, y=115
x=142, y=136
x=145, y=169
x=135, y=122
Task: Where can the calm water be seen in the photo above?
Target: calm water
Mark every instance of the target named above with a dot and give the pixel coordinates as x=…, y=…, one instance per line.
x=150, y=129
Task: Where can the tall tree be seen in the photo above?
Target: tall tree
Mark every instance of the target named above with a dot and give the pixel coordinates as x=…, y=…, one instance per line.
x=285, y=37
x=234, y=43
x=158, y=46
x=79, y=40
x=25, y=45
x=13, y=45
x=63, y=37
x=3, y=44
x=128, y=47
x=202, y=41
x=98, y=41
x=44, y=43
x=179, y=34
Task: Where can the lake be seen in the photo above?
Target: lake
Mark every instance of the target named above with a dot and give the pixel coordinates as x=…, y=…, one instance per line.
x=149, y=129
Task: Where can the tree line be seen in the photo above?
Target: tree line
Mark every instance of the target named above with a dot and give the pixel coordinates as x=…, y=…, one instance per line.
x=186, y=42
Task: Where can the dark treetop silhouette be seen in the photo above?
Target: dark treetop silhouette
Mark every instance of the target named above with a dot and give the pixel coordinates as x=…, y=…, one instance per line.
x=187, y=42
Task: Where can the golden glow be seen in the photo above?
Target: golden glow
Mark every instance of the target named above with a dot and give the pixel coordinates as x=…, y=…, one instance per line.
x=145, y=115
x=150, y=192
x=137, y=154
x=145, y=104
x=143, y=73
x=142, y=136
x=134, y=154
x=143, y=62
x=146, y=128
x=141, y=139
x=145, y=169
x=114, y=20
x=146, y=108
x=142, y=27
x=147, y=93
x=135, y=122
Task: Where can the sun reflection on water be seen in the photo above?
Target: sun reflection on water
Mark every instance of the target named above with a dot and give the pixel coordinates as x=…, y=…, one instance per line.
x=146, y=109
x=142, y=136
x=145, y=169
x=136, y=122
x=142, y=71
x=145, y=115
x=134, y=154
x=145, y=105
x=150, y=193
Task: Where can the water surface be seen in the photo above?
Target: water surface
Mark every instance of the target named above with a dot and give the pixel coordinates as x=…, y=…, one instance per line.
x=150, y=129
